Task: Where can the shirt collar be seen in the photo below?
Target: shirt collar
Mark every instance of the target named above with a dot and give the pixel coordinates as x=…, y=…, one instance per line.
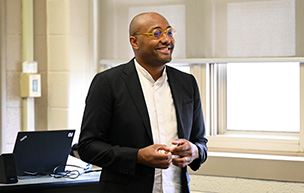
x=148, y=76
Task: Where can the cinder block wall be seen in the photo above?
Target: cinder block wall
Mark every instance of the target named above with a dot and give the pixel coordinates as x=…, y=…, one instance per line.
x=62, y=50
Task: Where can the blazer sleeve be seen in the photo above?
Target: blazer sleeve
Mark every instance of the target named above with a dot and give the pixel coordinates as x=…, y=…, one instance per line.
x=94, y=144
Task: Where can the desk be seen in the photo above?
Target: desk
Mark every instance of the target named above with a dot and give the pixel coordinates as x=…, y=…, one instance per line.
x=85, y=183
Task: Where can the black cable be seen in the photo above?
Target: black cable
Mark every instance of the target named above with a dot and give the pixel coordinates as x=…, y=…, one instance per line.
x=73, y=174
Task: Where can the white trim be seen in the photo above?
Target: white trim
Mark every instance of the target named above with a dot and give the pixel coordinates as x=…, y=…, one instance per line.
x=213, y=60
x=93, y=39
x=221, y=98
x=256, y=156
x=213, y=101
x=238, y=60
x=258, y=143
x=2, y=71
x=201, y=74
x=302, y=105
x=267, y=143
x=254, y=166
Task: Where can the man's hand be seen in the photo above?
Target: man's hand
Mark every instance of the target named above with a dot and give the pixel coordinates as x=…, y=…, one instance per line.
x=156, y=156
x=186, y=151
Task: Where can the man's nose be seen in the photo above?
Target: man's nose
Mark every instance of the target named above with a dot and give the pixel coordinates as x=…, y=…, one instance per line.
x=165, y=38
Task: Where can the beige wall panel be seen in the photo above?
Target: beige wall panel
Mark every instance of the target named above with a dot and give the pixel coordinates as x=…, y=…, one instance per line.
x=41, y=105
x=79, y=55
x=40, y=52
x=58, y=16
x=13, y=61
x=79, y=14
x=58, y=117
x=58, y=53
x=40, y=20
x=13, y=89
x=13, y=124
x=14, y=24
x=58, y=90
x=40, y=55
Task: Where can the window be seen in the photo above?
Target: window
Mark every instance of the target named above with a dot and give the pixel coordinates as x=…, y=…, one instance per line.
x=243, y=36
x=184, y=67
x=263, y=97
x=255, y=106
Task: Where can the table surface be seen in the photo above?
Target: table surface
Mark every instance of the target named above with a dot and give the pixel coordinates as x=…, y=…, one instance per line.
x=35, y=182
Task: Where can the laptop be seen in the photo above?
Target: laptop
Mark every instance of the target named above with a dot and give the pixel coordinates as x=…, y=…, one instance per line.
x=40, y=152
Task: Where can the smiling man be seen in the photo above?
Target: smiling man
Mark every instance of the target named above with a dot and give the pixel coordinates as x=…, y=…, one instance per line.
x=143, y=121
x=154, y=49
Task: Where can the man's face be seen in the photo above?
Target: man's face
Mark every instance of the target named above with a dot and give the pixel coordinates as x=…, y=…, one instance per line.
x=152, y=51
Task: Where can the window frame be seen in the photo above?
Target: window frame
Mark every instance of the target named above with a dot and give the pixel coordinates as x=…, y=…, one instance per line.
x=256, y=155
x=221, y=140
x=3, y=115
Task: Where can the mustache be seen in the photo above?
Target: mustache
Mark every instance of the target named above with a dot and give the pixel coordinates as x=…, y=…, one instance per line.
x=166, y=44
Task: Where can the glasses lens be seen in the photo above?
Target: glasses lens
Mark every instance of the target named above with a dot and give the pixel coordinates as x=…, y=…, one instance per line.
x=171, y=32
x=157, y=33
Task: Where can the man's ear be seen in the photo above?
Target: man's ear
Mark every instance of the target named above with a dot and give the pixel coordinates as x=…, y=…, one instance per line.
x=134, y=42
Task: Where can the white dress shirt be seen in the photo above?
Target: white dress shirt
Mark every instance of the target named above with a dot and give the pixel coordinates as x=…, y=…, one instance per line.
x=163, y=122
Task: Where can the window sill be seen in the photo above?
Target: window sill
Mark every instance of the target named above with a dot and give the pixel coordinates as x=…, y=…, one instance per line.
x=254, y=166
x=256, y=155
x=286, y=144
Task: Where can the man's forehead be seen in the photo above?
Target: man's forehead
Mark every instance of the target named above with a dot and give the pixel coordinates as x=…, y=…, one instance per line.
x=145, y=22
x=154, y=21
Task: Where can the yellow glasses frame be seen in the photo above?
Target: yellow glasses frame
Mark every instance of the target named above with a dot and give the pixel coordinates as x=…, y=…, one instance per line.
x=153, y=33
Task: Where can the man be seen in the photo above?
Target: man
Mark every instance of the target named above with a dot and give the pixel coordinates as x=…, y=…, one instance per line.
x=143, y=121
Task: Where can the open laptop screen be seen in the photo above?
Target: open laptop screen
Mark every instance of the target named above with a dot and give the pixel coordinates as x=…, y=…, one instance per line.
x=39, y=152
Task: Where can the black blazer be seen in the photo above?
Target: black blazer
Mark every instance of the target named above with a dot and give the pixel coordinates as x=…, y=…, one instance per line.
x=116, y=124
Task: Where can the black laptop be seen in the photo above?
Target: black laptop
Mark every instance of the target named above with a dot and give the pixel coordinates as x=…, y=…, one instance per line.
x=40, y=152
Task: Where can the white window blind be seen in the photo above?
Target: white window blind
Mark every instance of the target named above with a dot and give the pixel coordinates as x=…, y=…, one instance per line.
x=261, y=28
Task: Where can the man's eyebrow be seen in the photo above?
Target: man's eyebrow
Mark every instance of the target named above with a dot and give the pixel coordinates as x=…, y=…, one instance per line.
x=160, y=27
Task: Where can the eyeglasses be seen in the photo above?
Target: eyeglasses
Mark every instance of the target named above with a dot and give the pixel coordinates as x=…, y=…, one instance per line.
x=159, y=33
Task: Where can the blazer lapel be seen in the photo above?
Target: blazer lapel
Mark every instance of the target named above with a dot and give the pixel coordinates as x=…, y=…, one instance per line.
x=134, y=87
x=174, y=84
